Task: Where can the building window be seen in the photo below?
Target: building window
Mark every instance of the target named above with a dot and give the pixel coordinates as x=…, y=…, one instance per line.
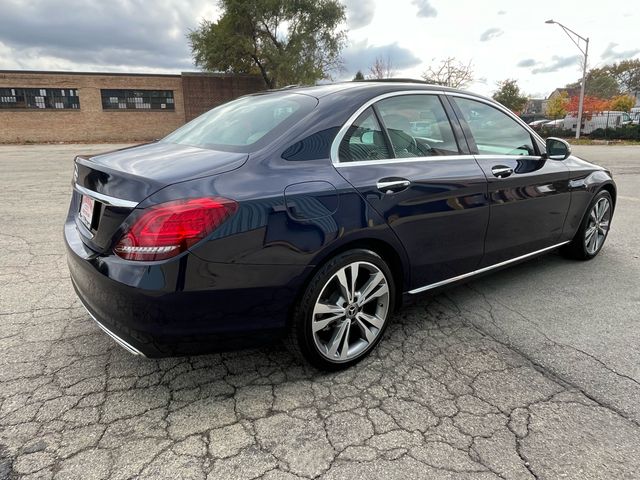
x=39, y=98
x=137, y=99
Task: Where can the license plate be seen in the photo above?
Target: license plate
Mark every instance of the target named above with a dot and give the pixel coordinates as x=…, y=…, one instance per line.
x=86, y=211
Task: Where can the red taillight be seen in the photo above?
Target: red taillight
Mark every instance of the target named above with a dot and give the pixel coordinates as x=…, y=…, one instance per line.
x=165, y=230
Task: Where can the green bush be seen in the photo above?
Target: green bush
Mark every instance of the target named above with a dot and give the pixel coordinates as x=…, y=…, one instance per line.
x=556, y=132
x=625, y=132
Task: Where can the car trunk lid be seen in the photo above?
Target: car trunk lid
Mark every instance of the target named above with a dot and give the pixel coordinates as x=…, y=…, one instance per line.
x=109, y=186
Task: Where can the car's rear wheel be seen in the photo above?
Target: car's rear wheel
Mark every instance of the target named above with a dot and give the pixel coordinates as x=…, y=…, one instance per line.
x=344, y=310
x=594, y=228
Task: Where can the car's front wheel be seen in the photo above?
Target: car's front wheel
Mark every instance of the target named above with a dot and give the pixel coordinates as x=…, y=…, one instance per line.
x=344, y=310
x=594, y=228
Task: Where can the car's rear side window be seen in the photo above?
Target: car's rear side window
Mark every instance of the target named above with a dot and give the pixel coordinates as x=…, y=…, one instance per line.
x=418, y=126
x=364, y=140
x=494, y=132
x=246, y=123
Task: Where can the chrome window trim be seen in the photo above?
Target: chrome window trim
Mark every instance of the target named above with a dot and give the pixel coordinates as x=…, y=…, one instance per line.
x=507, y=157
x=106, y=199
x=335, y=145
x=435, y=158
x=482, y=270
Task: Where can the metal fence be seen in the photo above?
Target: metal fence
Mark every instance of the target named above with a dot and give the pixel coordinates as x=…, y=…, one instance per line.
x=601, y=125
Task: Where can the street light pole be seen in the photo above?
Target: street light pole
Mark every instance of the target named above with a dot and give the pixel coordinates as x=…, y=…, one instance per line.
x=584, y=81
x=585, y=52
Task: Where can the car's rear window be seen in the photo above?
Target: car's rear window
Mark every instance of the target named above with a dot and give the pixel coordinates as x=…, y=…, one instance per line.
x=244, y=124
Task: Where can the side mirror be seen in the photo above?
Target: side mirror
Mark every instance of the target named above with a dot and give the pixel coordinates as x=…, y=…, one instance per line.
x=557, y=149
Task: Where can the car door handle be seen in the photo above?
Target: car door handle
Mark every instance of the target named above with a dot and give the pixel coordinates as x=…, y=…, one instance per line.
x=388, y=185
x=501, y=171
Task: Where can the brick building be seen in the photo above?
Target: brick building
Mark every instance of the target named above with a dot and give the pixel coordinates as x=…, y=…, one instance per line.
x=108, y=107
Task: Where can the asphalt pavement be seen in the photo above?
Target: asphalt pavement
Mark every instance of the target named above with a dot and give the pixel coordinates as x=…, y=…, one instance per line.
x=531, y=372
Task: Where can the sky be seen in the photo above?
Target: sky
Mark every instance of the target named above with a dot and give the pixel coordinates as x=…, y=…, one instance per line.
x=503, y=39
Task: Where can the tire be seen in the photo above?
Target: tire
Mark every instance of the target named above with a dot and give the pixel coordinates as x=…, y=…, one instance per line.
x=336, y=323
x=594, y=228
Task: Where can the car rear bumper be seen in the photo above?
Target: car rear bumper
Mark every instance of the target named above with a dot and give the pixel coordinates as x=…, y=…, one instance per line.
x=120, y=341
x=184, y=305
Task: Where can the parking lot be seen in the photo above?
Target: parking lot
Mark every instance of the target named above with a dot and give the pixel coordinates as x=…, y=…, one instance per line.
x=531, y=372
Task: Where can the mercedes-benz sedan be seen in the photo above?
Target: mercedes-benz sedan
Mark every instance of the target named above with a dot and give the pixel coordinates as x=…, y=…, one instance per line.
x=307, y=213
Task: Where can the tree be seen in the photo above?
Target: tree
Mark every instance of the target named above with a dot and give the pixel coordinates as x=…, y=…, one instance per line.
x=611, y=80
x=627, y=74
x=381, y=68
x=359, y=76
x=449, y=73
x=622, y=103
x=557, y=106
x=591, y=104
x=285, y=42
x=509, y=95
x=601, y=83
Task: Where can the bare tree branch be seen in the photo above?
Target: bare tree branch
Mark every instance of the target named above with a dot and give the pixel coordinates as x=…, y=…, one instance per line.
x=381, y=68
x=450, y=73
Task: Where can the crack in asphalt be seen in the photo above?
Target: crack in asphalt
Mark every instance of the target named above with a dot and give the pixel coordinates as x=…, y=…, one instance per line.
x=536, y=326
x=591, y=395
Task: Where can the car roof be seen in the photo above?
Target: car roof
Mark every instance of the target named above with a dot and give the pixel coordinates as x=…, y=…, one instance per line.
x=373, y=86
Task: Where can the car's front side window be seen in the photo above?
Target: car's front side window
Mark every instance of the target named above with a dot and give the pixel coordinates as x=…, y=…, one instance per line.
x=495, y=132
x=364, y=140
x=418, y=126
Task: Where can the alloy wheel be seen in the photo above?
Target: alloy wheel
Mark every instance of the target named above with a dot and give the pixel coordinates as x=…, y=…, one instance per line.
x=597, y=226
x=350, y=311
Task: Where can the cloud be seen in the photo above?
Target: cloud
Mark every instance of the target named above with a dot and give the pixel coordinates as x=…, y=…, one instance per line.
x=359, y=12
x=558, y=63
x=361, y=55
x=93, y=34
x=527, y=62
x=610, y=54
x=425, y=9
x=491, y=34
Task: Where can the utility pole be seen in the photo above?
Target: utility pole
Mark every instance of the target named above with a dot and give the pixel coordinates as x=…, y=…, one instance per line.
x=585, y=52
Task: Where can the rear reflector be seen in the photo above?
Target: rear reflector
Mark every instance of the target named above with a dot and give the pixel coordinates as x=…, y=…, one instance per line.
x=165, y=230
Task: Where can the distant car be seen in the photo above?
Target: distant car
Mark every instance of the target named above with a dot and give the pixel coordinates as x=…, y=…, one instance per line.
x=595, y=121
x=307, y=213
x=555, y=123
x=536, y=124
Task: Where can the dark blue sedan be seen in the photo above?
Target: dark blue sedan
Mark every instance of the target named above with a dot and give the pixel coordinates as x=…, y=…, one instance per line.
x=308, y=213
